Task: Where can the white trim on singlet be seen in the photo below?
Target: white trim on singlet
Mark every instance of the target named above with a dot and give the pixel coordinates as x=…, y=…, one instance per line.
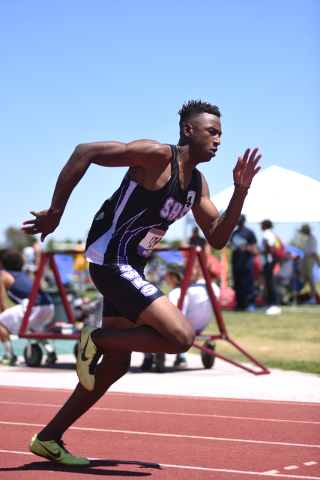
x=14, y=298
x=95, y=253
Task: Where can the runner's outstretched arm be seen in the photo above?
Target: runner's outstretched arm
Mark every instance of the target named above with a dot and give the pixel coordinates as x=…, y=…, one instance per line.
x=141, y=153
x=218, y=230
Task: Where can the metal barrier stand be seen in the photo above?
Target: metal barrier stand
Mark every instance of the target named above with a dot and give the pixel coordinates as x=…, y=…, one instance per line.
x=194, y=252
x=49, y=256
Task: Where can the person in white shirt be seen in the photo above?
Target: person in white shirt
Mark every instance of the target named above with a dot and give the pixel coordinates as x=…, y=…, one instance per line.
x=268, y=262
x=196, y=307
x=310, y=257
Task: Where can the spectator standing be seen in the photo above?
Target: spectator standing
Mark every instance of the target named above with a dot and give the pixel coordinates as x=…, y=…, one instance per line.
x=196, y=240
x=268, y=261
x=310, y=257
x=17, y=285
x=80, y=265
x=243, y=244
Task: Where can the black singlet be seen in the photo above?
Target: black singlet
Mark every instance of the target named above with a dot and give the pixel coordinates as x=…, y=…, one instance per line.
x=131, y=222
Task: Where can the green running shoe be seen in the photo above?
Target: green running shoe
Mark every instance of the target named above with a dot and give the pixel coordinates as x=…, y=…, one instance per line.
x=54, y=450
x=88, y=357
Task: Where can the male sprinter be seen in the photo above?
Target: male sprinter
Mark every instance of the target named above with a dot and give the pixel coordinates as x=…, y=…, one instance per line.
x=161, y=185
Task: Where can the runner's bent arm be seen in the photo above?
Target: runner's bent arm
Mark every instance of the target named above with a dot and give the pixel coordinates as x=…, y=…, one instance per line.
x=218, y=230
x=145, y=154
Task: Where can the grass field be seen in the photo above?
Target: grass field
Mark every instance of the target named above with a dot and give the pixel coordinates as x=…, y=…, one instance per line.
x=289, y=341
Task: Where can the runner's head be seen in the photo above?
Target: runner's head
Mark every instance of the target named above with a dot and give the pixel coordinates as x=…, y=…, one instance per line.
x=195, y=108
x=200, y=128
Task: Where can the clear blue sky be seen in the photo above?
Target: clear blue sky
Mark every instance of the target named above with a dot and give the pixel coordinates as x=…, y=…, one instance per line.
x=75, y=71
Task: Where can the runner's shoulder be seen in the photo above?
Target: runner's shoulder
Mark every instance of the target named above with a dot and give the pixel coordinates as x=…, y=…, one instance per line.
x=151, y=148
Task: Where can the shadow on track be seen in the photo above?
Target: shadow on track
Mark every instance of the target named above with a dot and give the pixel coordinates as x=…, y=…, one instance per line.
x=91, y=470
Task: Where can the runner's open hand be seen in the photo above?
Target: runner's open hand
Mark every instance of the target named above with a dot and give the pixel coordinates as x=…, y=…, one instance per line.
x=245, y=169
x=44, y=223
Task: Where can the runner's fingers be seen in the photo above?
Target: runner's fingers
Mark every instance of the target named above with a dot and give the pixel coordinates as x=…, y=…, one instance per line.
x=245, y=156
x=253, y=154
x=254, y=163
x=29, y=222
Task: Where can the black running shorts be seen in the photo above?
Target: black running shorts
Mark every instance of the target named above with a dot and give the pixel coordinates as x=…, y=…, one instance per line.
x=126, y=292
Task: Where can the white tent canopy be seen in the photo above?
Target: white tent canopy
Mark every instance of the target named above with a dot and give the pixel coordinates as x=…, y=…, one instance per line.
x=278, y=194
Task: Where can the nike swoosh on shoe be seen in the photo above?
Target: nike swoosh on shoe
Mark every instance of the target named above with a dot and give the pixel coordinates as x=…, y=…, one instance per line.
x=55, y=455
x=83, y=355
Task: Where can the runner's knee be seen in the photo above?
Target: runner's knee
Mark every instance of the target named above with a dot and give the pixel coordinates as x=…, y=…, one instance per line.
x=184, y=339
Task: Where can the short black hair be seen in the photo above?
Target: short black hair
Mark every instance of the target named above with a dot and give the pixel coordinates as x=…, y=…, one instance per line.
x=11, y=260
x=193, y=108
x=267, y=223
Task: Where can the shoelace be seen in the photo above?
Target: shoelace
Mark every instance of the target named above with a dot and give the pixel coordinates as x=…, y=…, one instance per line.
x=61, y=444
x=95, y=359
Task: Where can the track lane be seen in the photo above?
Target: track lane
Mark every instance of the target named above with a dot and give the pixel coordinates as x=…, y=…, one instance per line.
x=223, y=459
x=210, y=406
x=174, y=424
x=193, y=452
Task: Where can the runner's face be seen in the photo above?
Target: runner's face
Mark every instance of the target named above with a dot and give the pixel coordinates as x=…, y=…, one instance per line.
x=205, y=133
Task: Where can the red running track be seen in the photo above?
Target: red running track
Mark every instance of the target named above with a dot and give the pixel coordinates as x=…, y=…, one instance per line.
x=164, y=437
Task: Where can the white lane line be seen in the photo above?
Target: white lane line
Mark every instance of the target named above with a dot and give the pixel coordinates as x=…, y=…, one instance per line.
x=271, y=473
x=310, y=463
x=194, y=437
x=18, y=453
x=177, y=397
x=291, y=467
x=153, y=412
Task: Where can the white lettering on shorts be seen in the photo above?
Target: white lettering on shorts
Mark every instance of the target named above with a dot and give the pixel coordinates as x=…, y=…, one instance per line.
x=130, y=274
x=149, y=290
x=139, y=282
x=145, y=287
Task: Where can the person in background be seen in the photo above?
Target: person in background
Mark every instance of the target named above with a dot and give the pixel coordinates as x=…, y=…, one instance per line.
x=32, y=256
x=196, y=307
x=310, y=257
x=17, y=285
x=196, y=240
x=80, y=265
x=243, y=244
x=268, y=261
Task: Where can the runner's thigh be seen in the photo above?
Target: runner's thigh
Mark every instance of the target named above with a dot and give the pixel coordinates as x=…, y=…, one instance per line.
x=167, y=319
